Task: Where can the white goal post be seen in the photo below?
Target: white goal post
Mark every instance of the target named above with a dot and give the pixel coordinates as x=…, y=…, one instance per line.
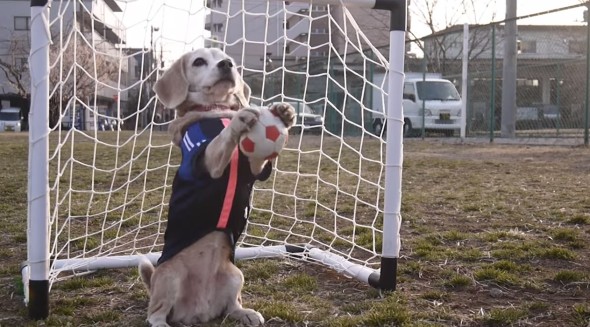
x=101, y=164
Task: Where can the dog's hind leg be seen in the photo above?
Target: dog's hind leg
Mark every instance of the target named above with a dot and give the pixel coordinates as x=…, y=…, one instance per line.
x=163, y=295
x=234, y=281
x=146, y=270
x=247, y=317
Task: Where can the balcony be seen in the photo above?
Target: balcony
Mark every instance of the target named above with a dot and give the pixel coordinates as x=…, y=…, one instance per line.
x=298, y=46
x=112, y=35
x=298, y=27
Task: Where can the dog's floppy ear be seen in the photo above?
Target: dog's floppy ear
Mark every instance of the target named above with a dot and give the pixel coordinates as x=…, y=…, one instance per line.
x=243, y=94
x=172, y=87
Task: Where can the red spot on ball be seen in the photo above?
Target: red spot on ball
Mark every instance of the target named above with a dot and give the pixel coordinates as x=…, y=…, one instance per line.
x=247, y=145
x=272, y=156
x=272, y=133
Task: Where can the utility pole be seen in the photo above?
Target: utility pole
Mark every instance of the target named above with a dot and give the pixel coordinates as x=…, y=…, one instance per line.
x=509, y=72
x=338, y=41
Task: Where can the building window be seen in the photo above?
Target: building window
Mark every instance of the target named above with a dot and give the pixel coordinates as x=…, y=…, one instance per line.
x=216, y=3
x=217, y=27
x=409, y=92
x=527, y=82
x=292, y=21
x=22, y=23
x=576, y=47
x=319, y=31
x=21, y=62
x=319, y=53
x=455, y=44
x=526, y=46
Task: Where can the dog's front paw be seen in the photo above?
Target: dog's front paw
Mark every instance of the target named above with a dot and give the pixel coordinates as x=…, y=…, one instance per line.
x=284, y=111
x=243, y=120
x=249, y=317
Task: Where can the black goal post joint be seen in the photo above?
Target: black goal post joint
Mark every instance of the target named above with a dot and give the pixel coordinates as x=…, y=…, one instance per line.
x=398, y=9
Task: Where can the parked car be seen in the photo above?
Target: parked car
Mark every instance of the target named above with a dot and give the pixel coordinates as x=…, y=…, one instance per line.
x=108, y=124
x=306, y=119
x=10, y=120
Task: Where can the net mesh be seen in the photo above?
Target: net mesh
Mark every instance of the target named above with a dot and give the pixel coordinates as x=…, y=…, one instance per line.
x=112, y=162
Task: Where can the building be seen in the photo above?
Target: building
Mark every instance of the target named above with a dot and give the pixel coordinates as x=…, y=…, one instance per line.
x=265, y=39
x=270, y=31
x=534, y=42
x=98, y=46
x=551, y=66
x=285, y=48
x=14, y=47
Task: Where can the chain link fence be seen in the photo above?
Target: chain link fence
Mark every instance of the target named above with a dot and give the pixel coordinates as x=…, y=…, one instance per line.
x=551, y=82
x=551, y=74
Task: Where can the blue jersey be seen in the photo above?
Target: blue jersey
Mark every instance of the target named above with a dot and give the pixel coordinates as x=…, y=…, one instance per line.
x=200, y=204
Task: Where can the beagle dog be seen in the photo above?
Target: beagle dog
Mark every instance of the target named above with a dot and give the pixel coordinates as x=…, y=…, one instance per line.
x=196, y=280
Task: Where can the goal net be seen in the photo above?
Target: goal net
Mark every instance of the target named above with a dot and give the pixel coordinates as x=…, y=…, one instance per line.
x=101, y=171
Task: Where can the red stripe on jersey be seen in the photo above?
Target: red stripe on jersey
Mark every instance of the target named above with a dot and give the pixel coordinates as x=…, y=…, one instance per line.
x=231, y=186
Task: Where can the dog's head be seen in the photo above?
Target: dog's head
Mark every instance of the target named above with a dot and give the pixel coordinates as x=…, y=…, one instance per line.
x=200, y=80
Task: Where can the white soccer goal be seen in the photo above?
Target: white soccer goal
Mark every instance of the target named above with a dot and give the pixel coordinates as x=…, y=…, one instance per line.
x=101, y=170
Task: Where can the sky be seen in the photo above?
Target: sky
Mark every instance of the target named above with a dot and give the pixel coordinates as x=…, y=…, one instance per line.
x=448, y=11
x=177, y=25
x=180, y=21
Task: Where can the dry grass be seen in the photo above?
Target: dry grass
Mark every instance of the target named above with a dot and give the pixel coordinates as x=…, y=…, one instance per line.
x=492, y=235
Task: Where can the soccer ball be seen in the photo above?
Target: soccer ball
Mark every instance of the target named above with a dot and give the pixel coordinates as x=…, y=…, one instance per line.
x=266, y=138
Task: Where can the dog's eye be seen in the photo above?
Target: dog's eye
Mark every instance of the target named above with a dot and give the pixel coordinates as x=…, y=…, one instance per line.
x=199, y=62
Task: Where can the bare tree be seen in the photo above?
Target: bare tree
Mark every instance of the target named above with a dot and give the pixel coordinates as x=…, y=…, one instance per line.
x=13, y=63
x=446, y=30
x=77, y=71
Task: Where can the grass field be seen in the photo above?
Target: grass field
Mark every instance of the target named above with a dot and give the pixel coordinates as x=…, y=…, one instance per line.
x=491, y=236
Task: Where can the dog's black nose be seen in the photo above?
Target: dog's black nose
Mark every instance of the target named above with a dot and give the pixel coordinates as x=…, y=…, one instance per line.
x=225, y=65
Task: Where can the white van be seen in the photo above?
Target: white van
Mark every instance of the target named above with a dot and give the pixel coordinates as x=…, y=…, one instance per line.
x=10, y=120
x=431, y=102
